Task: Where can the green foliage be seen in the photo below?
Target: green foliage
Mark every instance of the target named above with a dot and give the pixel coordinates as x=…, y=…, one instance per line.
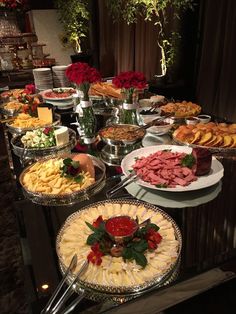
x=74, y=16
x=155, y=11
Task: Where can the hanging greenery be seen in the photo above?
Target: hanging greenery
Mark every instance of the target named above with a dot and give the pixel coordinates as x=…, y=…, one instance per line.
x=157, y=12
x=74, y=16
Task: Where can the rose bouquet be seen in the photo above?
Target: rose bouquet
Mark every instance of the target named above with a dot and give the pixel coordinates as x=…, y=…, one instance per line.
x=129, y=82
x=83, y=75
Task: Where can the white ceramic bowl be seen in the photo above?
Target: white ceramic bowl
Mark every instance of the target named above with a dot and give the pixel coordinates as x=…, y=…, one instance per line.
x=192, y=120
x=161, y=129
x=204, y=118
x=146, y=118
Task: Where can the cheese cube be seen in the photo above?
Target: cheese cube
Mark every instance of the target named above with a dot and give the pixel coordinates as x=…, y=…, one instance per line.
x=62, y=135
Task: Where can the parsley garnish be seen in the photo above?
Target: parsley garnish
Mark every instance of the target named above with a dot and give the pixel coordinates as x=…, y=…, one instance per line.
x=188, y=161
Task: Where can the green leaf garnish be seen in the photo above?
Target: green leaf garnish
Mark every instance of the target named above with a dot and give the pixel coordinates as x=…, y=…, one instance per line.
x=67, y=161
x=75, y=164
x=140, y=259
x=79, y=178
x=161, y=185
x=188, y=161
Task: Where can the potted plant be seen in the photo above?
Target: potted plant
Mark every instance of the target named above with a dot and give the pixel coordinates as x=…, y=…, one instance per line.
x=156, y=11
x=74, y=16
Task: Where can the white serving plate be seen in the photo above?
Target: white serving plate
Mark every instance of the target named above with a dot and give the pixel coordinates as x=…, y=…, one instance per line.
x=215, y=175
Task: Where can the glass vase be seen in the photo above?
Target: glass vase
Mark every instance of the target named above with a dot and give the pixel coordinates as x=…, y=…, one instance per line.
x=129, y=111
x=86, y=120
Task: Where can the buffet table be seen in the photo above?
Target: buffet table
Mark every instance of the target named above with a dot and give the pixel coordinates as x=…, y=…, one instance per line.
x=206, y=219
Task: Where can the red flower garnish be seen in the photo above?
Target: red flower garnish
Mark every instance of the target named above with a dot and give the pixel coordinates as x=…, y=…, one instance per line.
x=130, y=79
x=153, y=238
x=81, y=73
x=95, y=256
x=73, y=171
x=46, y=131
x=98, y=221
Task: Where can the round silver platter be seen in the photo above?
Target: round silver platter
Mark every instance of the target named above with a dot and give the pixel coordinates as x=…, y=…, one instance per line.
x=122, y=293
x=16, y=130
x=69, y=198
x=37, y=153
x=213, y=150
x=120, y=142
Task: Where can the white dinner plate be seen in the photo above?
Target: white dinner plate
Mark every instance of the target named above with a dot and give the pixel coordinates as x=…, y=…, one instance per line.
x=216, y=172
x=53, y=98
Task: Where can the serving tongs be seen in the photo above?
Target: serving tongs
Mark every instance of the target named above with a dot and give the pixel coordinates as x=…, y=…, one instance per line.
x=132, y=177
x=53, y=309
x=151, y=123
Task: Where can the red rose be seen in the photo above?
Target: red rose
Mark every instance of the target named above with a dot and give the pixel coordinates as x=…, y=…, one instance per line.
x=130, y=79
x=80, y=73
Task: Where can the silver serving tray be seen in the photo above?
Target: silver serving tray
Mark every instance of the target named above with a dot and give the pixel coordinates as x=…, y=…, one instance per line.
x=99, y=296
x=36, y=153
x=69, y=198
x=213, y=150
x=121, y=291
x=15, y=130
x=113, y=142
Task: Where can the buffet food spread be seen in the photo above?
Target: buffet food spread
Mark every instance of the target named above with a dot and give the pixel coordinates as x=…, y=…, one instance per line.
x=129, y=245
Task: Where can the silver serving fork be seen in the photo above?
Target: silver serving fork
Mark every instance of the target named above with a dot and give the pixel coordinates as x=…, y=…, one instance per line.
x=50, y=308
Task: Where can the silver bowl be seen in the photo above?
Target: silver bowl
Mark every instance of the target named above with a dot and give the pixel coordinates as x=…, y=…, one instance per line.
x=121, y=291
x=37, y=153
x=67, y=198
x=120, y=142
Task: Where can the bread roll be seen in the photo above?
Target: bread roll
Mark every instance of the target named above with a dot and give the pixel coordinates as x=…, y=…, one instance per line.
x=86, y=164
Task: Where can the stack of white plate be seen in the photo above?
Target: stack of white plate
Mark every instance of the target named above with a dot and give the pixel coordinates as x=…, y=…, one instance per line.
x=59, y=76
x=43, y=78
